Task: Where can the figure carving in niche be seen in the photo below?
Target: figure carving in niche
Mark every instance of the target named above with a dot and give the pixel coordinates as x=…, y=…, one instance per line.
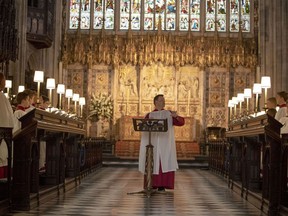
x=78, y=51
x=121, y=84
x=131, y=87
x=195, y=88
x=76, y=79
x=182, y=89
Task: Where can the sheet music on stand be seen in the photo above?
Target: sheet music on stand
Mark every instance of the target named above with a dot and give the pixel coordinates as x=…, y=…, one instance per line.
x=153, y=125
x=150, y=126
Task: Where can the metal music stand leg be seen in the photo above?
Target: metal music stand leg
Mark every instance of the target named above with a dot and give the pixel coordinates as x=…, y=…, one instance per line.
x=150, y=125
x=148, y=190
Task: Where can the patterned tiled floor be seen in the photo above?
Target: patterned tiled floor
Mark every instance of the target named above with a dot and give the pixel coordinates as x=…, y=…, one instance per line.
x=197, y=192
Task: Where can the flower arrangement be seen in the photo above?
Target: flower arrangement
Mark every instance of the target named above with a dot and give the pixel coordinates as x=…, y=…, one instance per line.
x=101, y=106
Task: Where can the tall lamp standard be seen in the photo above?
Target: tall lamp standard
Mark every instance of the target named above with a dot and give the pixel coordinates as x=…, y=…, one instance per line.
x=60, y=91
x=50, y=84
x=69, y=95
x=240, y=98
x=230, y=105
x=257, y=90
x=21, y=88
x=39, y=78
x=75, y=98
x=82, y=102
x=247, y=95
x=265, y=83
x=8, y=85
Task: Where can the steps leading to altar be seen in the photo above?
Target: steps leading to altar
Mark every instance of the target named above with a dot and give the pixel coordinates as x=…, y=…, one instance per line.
x=200, y=161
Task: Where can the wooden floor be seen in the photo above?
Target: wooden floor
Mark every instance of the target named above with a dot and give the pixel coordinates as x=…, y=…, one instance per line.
x=197, y=192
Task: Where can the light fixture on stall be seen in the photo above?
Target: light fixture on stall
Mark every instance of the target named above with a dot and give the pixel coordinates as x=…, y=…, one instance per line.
x=265, y=83
x=60, y=91
x=75, y=98
x=82, y=102
x=247, y=95
x=21, y=88
x=38, y=77
x=257, y=90
x=50, y=84
x=69, y=95
x=8, y=85
x=235, y=102
x=230, y=105
x=240, y=98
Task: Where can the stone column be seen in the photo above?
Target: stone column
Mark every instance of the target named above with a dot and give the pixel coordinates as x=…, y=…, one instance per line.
x=273, y=45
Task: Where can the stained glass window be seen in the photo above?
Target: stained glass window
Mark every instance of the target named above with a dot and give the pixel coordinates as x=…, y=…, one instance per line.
x=195, y=15
x=171, y=15
x=149, y=15
x=85, y=14
x=245, y=15
x=234, y=16
x=98, y=14
x=159, y=13
x=210, y=15
x=184, y=15
x=135, y=14
x=124, y=14
x=74, y=14
x=220, y=15
x=109, y=14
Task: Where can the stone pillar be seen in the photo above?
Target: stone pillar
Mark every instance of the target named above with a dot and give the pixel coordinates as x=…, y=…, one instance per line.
x=273, y=45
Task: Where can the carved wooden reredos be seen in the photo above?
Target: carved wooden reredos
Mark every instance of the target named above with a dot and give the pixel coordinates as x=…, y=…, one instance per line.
x=197, y=75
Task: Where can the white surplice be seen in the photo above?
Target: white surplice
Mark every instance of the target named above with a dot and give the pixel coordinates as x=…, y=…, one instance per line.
x=164, y=145
x=6, y=121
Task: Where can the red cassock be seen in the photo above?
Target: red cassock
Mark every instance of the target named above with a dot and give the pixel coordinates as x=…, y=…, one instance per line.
x=166, y=179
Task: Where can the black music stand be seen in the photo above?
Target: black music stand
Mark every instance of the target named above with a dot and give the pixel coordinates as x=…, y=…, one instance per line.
x=149, y=125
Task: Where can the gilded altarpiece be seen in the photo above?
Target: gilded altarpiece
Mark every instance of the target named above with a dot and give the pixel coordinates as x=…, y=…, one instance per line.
x=197, y=75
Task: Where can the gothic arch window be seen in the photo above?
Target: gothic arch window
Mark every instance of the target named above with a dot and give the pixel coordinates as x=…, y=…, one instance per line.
x=182, y=15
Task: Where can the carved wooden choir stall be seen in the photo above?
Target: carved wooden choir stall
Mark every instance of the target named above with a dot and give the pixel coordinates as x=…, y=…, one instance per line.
x=255, y=157
x=69, y=155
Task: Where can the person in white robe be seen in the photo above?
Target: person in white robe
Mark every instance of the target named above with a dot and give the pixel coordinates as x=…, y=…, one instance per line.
x=6, y=121
x=164, y=147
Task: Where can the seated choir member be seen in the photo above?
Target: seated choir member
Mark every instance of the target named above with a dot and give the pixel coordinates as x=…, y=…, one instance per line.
x=32, y=96
x=164, y=150
x=271, y=106
x=6, y=121
x=22, y=108
x=281, y=98
x=44, y=102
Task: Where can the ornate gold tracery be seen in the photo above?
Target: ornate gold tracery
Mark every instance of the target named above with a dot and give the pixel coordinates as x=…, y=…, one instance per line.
x=178, y=50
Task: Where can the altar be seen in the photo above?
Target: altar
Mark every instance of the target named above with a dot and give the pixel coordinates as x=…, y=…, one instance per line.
x=128, y=140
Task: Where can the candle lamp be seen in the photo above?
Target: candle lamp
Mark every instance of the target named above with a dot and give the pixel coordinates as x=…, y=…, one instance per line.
x=50, y=84
x=240, y=98
x=75, y=98
x=82, y=102
x=21, y=88
x=38, y=77
x=265, y=83
x=230, y=105
x=60, y=91
x=8, y=85
x=235, y=102
x=257, y=90
x=69, y=95
x=247, y=95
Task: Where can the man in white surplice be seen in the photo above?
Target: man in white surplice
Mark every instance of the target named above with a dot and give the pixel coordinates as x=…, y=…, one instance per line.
x=6, y=121
x=164, y=151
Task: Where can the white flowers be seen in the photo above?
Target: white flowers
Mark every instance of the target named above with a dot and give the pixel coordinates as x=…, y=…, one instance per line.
x=100, y=107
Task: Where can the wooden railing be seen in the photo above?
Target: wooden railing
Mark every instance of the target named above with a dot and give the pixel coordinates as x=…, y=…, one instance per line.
x=256, y=162
x=69, y=156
